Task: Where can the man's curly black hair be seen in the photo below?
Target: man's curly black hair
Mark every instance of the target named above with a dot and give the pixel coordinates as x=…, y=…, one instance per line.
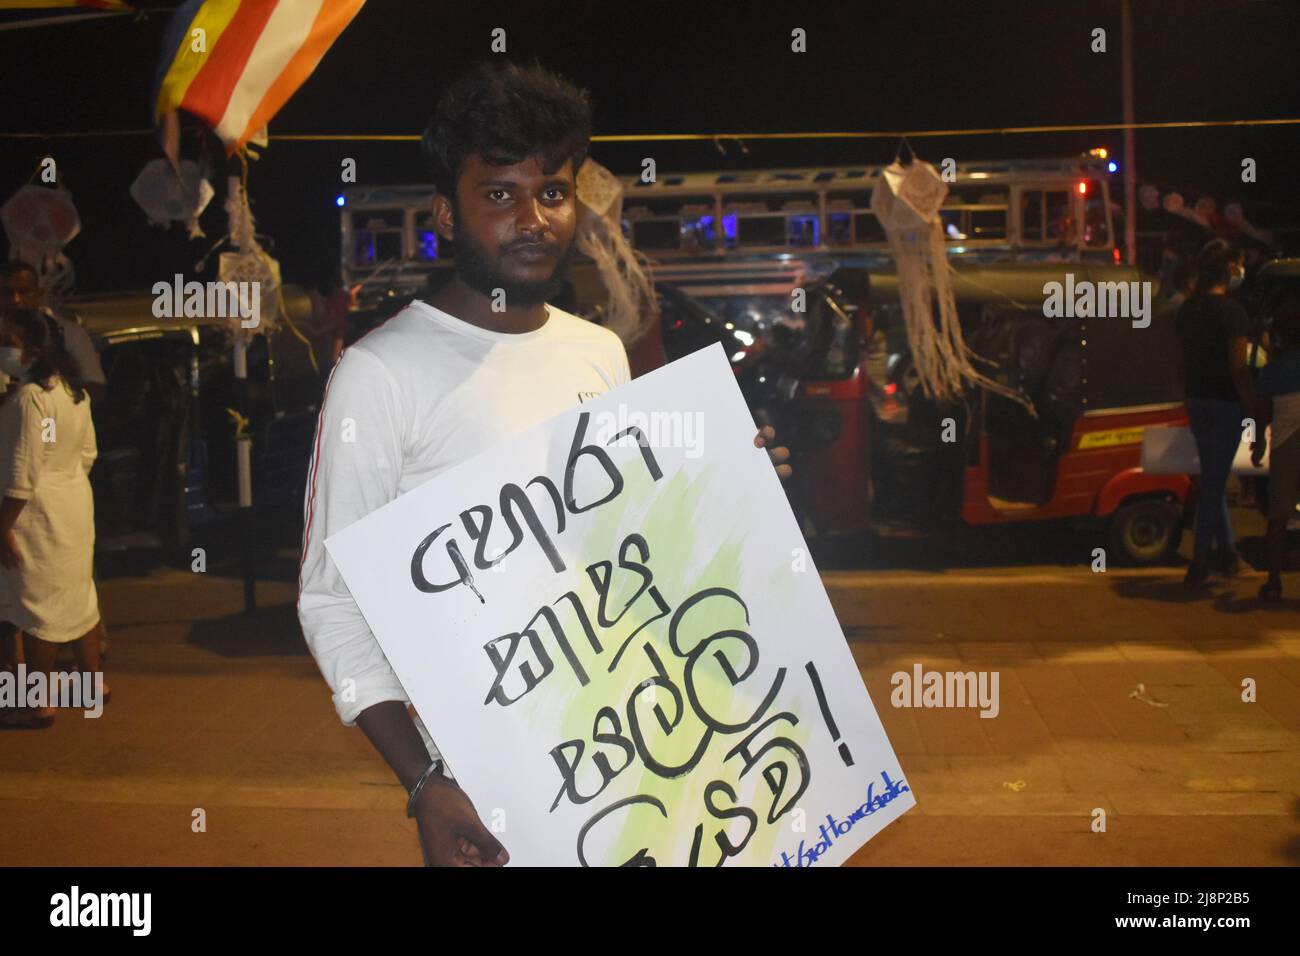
x=506, y=113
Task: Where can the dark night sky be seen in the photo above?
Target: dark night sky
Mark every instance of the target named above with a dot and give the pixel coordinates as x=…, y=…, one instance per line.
x=678, y=67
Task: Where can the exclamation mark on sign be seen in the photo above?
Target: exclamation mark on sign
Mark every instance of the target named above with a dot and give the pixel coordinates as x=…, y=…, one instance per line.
x=826, y=714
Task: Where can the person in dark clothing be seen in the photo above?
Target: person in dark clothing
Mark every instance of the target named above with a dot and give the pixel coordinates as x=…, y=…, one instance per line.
x=1279, y=405
x=1214, y=333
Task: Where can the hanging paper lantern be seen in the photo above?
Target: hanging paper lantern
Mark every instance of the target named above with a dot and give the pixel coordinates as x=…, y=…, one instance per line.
x=906, y=200
x=39, y=221
x=908, y=197
x=630, y=309
x=599, y=191
x=166, y=199
x=249, y=263
x=254, y=267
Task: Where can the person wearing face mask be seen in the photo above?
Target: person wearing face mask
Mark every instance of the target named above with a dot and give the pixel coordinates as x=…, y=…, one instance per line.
x=21, y=289
x=12, y=368
x=1214, y=335
x=47, y=518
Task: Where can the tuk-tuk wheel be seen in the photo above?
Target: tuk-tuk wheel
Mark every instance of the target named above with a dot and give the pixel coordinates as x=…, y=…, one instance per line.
x=1145, y=532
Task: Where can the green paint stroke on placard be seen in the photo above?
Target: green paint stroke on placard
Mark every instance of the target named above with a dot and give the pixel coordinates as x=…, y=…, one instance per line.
x=681, y=565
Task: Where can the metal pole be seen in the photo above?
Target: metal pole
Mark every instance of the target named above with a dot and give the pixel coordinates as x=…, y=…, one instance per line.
x=1130, y=161
x=244, y=472
x=243, y=442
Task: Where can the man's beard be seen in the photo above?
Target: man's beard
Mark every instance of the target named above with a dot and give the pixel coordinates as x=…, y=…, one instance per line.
x=476, y=268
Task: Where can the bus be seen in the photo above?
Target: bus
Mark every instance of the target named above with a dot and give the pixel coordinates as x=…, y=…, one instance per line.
x=741, y=241
x=728, y=249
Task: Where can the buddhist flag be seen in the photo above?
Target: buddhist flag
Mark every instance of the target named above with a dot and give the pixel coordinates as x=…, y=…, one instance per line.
x=234, y=63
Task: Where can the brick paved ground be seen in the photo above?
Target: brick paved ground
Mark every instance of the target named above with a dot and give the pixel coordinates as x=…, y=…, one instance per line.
x=215, y=710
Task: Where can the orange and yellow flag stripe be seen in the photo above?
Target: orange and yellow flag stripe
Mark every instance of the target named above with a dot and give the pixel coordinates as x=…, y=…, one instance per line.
x=237, y=62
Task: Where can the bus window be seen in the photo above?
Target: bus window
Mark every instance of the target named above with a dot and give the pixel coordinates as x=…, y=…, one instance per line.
x=657, y=234
x=1095, y=230
x=975, y=212
x=771, y=219
x=1031, y=215
x=839, y=228
x=758, y=231
x=1060, y=221
x=849, y=218
x=988, y=224
x=670, y=222
x=1046, y=215
x=803, y=230
x=952, y=224
x=698, y=232
x=377, y=236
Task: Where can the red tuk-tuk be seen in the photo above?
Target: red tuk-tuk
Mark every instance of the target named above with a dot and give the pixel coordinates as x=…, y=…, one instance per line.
x=876, y=454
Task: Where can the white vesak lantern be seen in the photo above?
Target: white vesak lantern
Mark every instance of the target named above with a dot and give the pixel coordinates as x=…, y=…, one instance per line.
x=38, y=222
x=251, y=268
x=908, y=197
x=907, y=200
x=630, y=309
x=166, y=199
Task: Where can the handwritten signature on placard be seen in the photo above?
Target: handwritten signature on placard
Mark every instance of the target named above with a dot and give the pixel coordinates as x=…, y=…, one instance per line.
x=833, y=829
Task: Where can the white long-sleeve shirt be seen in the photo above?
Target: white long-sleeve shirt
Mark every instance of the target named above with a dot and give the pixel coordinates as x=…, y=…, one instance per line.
x=414, y=397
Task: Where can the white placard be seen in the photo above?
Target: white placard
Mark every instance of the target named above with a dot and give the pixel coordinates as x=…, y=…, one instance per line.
x=624, y=651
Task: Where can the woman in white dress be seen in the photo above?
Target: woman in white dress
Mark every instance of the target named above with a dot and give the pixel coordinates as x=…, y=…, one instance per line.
x=47, y=515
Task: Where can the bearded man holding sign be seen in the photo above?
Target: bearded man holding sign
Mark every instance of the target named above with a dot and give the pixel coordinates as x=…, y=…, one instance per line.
x=448, y=378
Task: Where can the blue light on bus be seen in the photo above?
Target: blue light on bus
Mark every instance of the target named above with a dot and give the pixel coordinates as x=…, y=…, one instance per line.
x=429, y=244
x=340, y=201
x=698, y=231
x=804, y=230
x=1113, y=166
